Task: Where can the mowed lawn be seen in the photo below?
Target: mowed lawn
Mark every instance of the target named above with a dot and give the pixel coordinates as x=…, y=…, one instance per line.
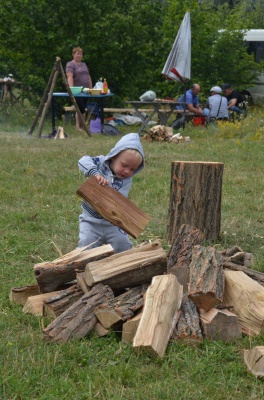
x=39, y=218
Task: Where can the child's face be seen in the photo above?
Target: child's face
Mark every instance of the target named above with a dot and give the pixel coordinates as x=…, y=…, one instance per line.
x=125, y=164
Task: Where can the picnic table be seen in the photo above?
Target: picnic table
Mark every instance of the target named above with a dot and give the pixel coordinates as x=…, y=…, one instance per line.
x=100, y=98
x=162, y=108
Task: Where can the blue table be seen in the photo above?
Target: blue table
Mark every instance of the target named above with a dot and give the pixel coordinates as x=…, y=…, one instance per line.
x=98, y=98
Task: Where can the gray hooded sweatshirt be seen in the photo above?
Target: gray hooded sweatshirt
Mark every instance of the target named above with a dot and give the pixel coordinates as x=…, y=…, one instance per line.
x=100, y=165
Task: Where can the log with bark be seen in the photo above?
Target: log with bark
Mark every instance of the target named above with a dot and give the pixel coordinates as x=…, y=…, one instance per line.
x=160, y=313
x=54, y=306
x=52, y=275
x=247, y=298
x=206, y=286
x=256, y=275
x=195, y=197
x=220, y=325
x=180, y=254
x=129, y=268
x=79, y=319
x=188, y=325
x=254, y=360
x=114, y=207
x=122, y=307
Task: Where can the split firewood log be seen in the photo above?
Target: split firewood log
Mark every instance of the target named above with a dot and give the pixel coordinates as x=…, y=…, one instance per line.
x=34, y=304
x=160, y=313
x=220, y=325
x=247, y=298
x=54, y=306
x=206, y=286
x=79, y=319
x=188, y=325
x=180, y=253
x=129, y=268
x=256, y=275
x=19, y=295
x=254, y=360
x=130, y=327
x=122, y=307
x=114, y=207
x=52, y=275
x=80, y=277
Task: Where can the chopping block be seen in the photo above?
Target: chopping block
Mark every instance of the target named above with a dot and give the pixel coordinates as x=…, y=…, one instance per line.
x=114, y=207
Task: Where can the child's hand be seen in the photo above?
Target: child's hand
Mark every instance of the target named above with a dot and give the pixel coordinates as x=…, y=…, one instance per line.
x=101, y=180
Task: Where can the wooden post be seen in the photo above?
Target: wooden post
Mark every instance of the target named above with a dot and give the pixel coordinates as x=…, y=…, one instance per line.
x=43, y=100
x=195, y=197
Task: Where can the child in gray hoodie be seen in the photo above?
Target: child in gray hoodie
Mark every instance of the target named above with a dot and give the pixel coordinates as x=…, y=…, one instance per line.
x=116, y=170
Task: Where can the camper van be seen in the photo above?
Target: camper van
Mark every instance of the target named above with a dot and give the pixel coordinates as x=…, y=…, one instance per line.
x=254, y=39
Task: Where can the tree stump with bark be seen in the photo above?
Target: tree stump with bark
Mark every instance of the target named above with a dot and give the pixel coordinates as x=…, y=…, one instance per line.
x=195, y=197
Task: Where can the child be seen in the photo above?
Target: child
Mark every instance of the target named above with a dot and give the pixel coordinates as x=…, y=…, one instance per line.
x=116, y=169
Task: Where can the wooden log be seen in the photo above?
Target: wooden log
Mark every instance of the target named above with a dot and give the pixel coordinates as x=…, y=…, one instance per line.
x=195, y=198
x=206, y=286
x=247, y=298
x=122, y=307
x=180, y=253
x=163, y=301
x=51, y=275
x=19, y=295
x=254, y=360
x=188, y=325
x=220, y=325
x=79, y=319
x=130, y=328
x=129, y=268
x=99, y=330
x=114, y=207
x=54, y=306
x=34, y=304
x=80, y=276
x=256, y=275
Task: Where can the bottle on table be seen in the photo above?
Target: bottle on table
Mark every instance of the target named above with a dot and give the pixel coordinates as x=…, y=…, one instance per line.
x=105, y=86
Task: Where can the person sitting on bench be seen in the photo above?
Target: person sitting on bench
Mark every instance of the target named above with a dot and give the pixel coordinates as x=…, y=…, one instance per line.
x=217, y=107
x=234, y=98
x=191, y=99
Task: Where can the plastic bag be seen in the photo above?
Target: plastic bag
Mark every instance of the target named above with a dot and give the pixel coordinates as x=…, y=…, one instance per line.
x=148, y=96
x=95, y=125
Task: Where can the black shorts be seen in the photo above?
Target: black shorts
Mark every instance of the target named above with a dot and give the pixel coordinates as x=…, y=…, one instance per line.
x=81, y=101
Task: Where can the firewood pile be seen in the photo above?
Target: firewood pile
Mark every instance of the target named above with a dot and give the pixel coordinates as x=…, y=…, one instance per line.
x=162, y=133
x=191, y=293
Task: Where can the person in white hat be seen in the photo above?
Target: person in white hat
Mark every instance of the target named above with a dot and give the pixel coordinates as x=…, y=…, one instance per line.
x=216, y=105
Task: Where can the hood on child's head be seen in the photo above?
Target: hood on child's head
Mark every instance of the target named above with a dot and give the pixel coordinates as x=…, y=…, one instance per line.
x=129, y=141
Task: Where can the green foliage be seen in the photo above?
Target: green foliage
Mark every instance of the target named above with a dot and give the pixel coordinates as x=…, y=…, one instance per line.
x=127, y=41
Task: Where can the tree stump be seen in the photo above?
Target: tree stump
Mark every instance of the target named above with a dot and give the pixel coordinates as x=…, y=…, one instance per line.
x=195, y=197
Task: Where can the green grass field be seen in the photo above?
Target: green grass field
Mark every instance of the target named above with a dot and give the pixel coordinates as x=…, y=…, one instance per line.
x=39, y=213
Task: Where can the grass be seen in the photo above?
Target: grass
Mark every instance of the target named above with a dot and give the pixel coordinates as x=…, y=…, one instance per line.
x=39, y=212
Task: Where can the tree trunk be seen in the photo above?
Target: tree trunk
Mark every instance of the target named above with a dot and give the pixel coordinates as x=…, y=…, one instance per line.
x=160, y=313
x=180, y=254
x=195, y=198
x=79, y=319
x=122, y=307
x=129, y=268
x=206, y=286
x=52, y=275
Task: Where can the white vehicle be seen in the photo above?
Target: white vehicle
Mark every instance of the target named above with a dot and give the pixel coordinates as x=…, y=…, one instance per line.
x=254, y=39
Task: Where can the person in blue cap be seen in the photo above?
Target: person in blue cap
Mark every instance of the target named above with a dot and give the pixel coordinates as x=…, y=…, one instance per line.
x=124, y=160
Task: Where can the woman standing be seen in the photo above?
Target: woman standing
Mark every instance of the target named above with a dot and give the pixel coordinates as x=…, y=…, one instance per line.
x=78, y=75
